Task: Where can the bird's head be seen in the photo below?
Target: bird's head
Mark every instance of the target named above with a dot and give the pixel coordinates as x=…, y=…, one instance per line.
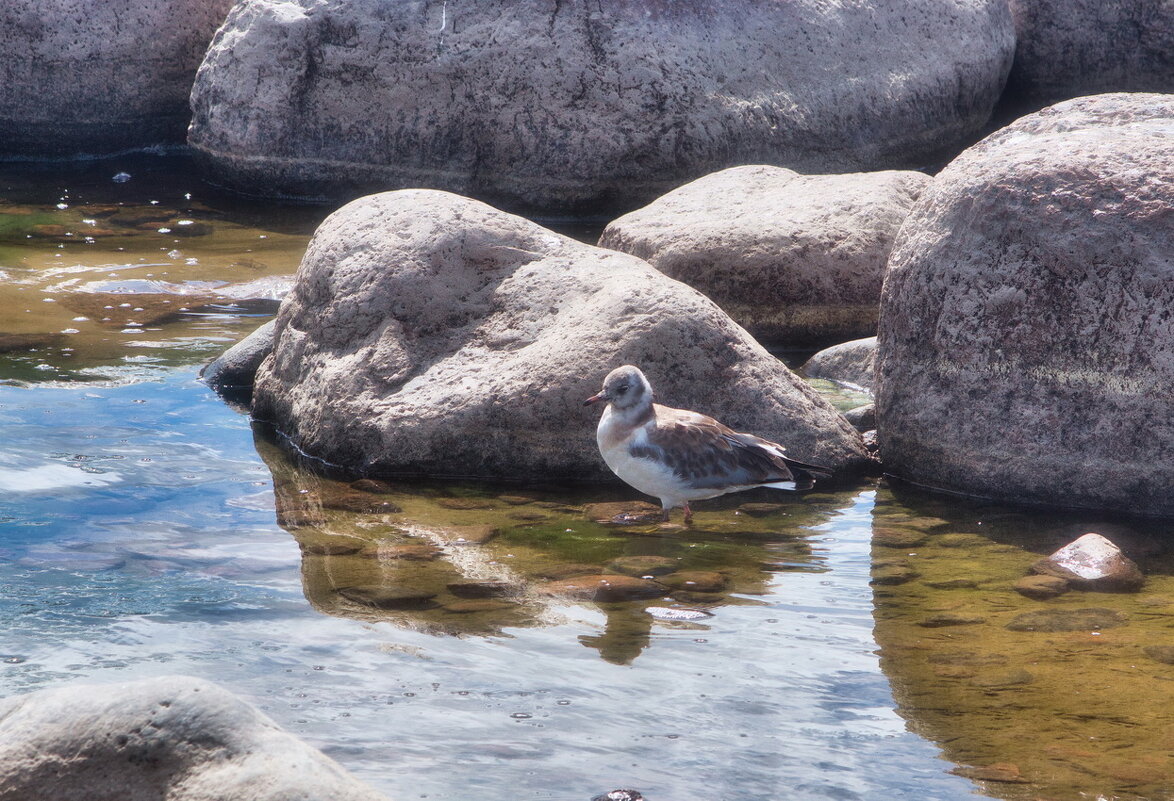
x=624, y=388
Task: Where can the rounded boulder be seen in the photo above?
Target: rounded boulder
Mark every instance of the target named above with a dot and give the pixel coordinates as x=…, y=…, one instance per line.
x=1026, y=342
x=430, y=334
x=586, y=107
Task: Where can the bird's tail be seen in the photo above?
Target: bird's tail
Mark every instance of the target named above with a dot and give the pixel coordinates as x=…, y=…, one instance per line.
x=805, y=474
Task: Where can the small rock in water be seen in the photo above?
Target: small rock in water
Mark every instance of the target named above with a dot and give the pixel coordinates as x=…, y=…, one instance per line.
x=896, y=536
x=1160, y=653
x=631, y=513
x=696, y=581
x=670, y=613
x=605, y=589
x=943, y=619
x=1041, y=588
x=121, y=177
x=761, y=509
x=1093, y=562
x=620, y=795
x=481, y=589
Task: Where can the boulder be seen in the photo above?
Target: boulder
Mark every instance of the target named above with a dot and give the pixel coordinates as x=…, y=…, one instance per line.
x=852, y=363
x=430, y=334
x=1069, y=48
x=84, y=77
x=579, y=107
x=176, y=738
x=1092, y=562
x=232, y=372
x=1026, y=347
x=797, y=260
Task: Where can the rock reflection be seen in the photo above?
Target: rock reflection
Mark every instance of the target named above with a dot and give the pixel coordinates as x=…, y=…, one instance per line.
x=1031, y=698
x=469, y=560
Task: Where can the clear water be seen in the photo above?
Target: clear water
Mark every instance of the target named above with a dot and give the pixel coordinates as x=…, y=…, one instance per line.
x=139, y=536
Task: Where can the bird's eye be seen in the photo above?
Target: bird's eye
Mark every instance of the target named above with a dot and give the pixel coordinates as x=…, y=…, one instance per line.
x=622, y=388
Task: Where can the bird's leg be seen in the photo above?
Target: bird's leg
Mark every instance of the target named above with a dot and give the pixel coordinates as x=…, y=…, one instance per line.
x=688, y=514
x=665, y=511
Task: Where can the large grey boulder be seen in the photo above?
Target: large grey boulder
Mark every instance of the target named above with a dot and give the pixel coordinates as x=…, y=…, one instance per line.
x=578, y=106
x=83, y=77
x=430, y=334
x=798, y=260
x=174, y=738
x=1026, y=344
x=1068, y=48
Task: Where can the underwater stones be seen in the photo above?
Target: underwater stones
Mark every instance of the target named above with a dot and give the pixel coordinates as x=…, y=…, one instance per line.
x=945, y=619
x=379, y=596
x=331, y=546
x=1024, y=348
x=852, y=363
x=1092, y=562
x=1068, y=48
x=889, y=536
x=177, y=737
x=1053, y=620
x=79, y=77
x=695, y=581
x=605, y=589
x=232, y=372
x=1160, y=653
x=1041, y=588
x=795, y=259
x=430, y=334
x=360, y=502
x=481, y=589
x=567, y=107
x=891, y=572
x=759, y=509
x=623, y=513
x=475, y=534
x=643, y=565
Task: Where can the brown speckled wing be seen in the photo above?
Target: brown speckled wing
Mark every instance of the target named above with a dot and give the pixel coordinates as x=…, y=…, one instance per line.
x=707, y=454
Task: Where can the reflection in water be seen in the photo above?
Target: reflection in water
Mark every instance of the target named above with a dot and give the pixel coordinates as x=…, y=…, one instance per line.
x=456, y=559
x=1072, y=706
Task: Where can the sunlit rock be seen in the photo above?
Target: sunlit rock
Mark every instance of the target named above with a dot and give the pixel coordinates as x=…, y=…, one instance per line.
x=1025, y=335
x=430, y=334
x=1092, y=562
x=572, y=106
x=177, y=737
x=83, y=77
x=797, y=260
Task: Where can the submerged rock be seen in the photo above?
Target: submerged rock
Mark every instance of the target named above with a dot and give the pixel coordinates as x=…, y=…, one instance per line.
x=232, y=372
x=82, y=77
x=1041, y=588
x=1025, y=338
x=1052, y=620
x=430, y=334
x=1092, y=562
x=577, y=107
x=795, y=259
x=607, y=588
x=175, y=737
x=387, y=597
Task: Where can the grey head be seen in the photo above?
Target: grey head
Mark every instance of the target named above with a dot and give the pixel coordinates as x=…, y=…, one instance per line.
x=625, y=388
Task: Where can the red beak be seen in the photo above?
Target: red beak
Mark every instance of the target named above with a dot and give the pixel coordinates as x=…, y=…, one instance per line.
x=593, y=399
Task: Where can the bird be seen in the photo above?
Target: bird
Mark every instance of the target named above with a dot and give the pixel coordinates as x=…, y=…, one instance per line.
x=680, y=456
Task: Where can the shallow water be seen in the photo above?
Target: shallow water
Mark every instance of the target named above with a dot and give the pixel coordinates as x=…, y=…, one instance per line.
x=147, y=529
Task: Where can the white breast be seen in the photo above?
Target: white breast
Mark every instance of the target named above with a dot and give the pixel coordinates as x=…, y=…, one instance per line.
x=647, y=475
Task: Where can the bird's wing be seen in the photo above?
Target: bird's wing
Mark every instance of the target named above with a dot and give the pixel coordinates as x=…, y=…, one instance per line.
x=706, y=454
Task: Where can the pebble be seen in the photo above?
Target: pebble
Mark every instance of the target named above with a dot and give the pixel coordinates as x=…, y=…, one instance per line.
x=643, y=565
x=696, y=581
x=1041, y=588
x=481, y=589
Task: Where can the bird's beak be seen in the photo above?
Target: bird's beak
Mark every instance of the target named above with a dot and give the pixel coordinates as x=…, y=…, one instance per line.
x=595, y=399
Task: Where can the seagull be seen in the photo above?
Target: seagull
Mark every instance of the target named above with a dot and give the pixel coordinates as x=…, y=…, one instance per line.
x=680, y=456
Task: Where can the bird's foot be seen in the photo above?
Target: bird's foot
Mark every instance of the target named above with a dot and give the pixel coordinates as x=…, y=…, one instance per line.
x=688, y=515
